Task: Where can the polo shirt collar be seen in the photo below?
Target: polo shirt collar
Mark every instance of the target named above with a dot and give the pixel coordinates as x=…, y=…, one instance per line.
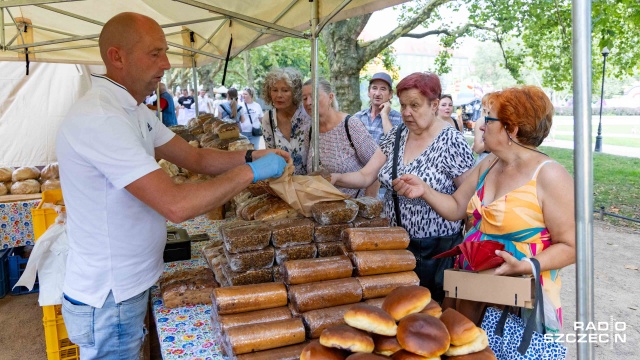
x=119, y=91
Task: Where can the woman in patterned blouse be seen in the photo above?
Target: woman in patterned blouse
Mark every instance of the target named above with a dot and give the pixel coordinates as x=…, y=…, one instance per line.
x=287, y=126
x=338, y=152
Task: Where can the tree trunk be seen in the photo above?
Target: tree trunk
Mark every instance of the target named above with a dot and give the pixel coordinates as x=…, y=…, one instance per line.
x=248, y=69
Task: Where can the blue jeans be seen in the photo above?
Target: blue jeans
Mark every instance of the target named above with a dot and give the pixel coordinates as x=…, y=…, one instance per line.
x=255, y=140
x=115, y=331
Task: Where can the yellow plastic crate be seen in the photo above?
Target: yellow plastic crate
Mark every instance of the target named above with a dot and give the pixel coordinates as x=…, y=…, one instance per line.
x=43, y=218
x=55, y=333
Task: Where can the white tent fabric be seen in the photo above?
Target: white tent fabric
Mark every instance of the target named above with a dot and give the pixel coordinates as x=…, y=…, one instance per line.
x=33, y=106
x=71, y=28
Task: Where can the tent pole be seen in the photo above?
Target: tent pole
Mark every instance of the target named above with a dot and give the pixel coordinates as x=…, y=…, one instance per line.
x=315, y=124
x=2, y=29
x=195, y=81
x=158, y=111
x=583, y=164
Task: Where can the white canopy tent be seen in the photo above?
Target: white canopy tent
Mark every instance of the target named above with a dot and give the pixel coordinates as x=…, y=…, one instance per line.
x=66, y=31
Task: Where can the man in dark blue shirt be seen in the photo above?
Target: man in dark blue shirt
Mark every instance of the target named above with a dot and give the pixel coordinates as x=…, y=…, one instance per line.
x=166, y=106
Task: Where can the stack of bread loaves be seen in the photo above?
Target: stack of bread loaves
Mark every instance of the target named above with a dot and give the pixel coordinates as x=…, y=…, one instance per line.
x=5, y=180
x=187, y=287
x=24, y=180
x=400, y=330
x=249, y=256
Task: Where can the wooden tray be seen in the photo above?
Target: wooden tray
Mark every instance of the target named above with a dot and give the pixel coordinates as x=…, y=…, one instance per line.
x=18, y=198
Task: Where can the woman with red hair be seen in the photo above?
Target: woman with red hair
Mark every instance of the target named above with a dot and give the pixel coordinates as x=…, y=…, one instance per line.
x=432, y=151
x=516, y=195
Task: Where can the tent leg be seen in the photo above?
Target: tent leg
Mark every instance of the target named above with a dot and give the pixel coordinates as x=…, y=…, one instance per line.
x=315, y=125
x=2, y=39
x=583, y=164
x=195, y=81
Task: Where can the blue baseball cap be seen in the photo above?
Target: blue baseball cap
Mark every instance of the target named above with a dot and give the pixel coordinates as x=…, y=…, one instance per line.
x=384, y=77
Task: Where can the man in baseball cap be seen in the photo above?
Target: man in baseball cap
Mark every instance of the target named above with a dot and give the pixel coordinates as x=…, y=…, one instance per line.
x=379, y=118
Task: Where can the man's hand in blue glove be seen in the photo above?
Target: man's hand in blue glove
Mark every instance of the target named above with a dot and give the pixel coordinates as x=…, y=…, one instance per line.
x=268, y=166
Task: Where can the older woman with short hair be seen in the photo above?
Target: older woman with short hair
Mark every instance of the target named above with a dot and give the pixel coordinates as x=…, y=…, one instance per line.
x=430, y=150
x=287, y=126
x=517, y=195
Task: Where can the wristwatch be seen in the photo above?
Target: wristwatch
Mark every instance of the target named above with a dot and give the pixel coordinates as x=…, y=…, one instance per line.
x=248, y=157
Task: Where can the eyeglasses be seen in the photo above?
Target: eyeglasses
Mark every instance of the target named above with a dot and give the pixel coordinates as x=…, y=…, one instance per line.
x=488, y=118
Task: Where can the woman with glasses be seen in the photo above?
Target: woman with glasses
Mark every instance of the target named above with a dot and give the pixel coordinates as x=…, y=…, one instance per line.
x=517, y=196
x=287, y=126
x=478, y=132
x=431, y=151
x=253, y=117
x=445, y=109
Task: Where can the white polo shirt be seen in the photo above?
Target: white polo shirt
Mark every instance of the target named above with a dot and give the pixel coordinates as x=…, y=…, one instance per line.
x=106, y=142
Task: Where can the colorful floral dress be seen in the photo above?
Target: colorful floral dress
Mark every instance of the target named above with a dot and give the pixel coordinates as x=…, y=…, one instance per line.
x=298, y=145
x=517, y=221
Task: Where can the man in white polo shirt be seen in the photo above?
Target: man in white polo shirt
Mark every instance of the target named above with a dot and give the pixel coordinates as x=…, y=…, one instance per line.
x=118, y=198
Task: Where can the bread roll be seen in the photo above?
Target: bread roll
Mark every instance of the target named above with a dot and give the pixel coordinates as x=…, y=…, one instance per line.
x=383, y=261
x=334, y=212
x=347, y=338
x=50, y=172
x=385, y=345
x=3, y=189
x=366, y=239
x=323, y=294
x=366, y=356
x=329, y=249
x=51, y=184
x=406, y=300
x=486, y=354
x=242, y=237
x=288, y=232
x=296, y=252
x=376, y=286
x=375, y=302
x=291, y=352
x=329, y=233
x=361, y=222
x=312, y=270
x=461, y=330
x=25, y=173
x=250, y=260
x=254, y=317
x=264, y=336
x=405, y=355
x=423, y=335
x=315, y=351
x=29, y=186
x=238, y=299
x=371, y=319
x=478, y=344
x=8, y=185
x=433, y=309
x=369, y=207
x=5, y=173
x=315, y=321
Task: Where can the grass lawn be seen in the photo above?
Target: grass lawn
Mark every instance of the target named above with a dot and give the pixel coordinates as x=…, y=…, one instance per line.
x=617, y=141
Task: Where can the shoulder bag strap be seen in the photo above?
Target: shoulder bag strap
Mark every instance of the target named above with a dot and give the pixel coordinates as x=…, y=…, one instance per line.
x=346, y=128
x=248, y=114
x=538, y=310
x=394, y=173
x=273, y=128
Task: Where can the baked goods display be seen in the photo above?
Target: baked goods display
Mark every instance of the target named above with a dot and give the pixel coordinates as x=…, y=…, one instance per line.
x=239, y=299
x=382, y=261
x=361, y=222
x=312, y=270
x=28, y=186
x=25, y=173
x=314, y=350
x=315, y=321
x=295, y=252
x=366, y=239
x=322, y=294
x=5, y=174
x=253, y=317
x=264, y=336
x=329, y=233
x=371, y=319
x=333, y=248
x=406, y=300
x=334, y=212
x=369, y=207
x=377, y=286
x=347, y=338
x=242, y=237
x=187, y=287
x=291, y=232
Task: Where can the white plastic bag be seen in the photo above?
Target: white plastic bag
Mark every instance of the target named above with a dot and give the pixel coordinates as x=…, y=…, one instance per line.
x=49, y=260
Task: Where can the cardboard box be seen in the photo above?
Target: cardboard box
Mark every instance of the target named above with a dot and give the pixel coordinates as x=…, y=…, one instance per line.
x=486, y=287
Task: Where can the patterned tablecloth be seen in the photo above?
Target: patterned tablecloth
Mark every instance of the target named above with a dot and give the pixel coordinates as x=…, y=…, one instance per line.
x=16, y=228
x=186, y=332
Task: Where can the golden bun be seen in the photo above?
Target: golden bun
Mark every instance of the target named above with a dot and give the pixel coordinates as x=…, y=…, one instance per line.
x=405, y=355
x=366, y=356
x=486, y=354
x=347, y=338
x=423, y=335
x=385, y=345
x=315, y=351
x=461, y=329
x=433, y=309
x=478, y=344
x=370, y=318
x=406, y=300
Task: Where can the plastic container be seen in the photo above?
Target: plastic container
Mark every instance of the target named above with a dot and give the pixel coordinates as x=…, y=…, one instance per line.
x=17, y=263
x=4, y=272
x=55, y=334
x=43, y=218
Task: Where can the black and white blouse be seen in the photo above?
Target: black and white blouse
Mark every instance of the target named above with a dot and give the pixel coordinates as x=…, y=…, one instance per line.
x=448, y=157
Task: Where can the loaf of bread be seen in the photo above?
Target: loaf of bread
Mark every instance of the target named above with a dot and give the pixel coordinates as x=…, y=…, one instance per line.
x=289, y=232
x=234, y=146
x=244, y=201
x=277, y=209
x=250, y=210
x=361, y=222
x=323, y=294
x=315, y=321
x=369, y=207
x=254, y=317
x=366, y=239
x=187, y=287
x=383, y=261
x=376, y=286
x=423, y=335
x=29, y=186
x=238, y=299
x=316, y=351
x=291, y=352
x=247, y=277
x=334, y=212
x=51, y=184
x=250, y=260
x=313, y=270
x=228, y=131
x=329, y=233
x=50, y=172
x=294, y=311
x=3, y=189
x=5, y=173
x=296, y=252
x=196, y=130
x=264, y=336
x=242, y=237
x=25, y=173
x=334, y=248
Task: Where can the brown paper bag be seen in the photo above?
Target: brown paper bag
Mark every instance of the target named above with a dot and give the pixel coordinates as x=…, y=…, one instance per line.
x=301, y=192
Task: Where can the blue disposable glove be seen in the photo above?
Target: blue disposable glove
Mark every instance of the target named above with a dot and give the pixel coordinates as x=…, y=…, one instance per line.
x=268, y=166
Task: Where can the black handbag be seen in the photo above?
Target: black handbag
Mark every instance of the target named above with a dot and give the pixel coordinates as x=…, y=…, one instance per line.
x=254, y=131
x=429, y=270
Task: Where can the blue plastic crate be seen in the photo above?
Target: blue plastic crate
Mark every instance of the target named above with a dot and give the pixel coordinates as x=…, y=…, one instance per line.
x=4, y=272
x=17, y=264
